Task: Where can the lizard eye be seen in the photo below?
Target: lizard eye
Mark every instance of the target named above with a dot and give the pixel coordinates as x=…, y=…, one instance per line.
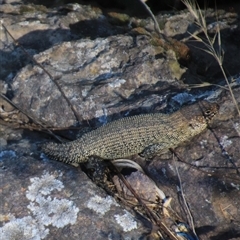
x=209, y=114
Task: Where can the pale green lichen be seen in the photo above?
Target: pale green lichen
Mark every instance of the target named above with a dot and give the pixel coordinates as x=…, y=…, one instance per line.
x=43, y=186
x=126, y=221
x=44, y=209
x=23, y=228
x=101, y=205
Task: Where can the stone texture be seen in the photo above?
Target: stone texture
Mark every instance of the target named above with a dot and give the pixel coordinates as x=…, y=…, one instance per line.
x=96, y=76
x=111, y=65
x=52, y=202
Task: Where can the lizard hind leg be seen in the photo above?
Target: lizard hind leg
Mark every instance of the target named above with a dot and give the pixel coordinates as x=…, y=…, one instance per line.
x=97, y=170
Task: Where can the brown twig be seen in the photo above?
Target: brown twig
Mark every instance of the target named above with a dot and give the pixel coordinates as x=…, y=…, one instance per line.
x=50, y=76
x=30, y=117
x=210, y=174
x=156, y=221
x=189, y=214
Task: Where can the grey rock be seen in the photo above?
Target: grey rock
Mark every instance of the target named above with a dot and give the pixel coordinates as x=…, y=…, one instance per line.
x=98, y=77
x=49, y=202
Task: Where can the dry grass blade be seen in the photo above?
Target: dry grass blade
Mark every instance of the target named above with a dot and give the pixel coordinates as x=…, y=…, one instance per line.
x=205, y=84
x=209, y=42
x=33, y=120
x=127, y=163
x=184, y=199
x=154, y=219
x=192, y=8
x=156, y=25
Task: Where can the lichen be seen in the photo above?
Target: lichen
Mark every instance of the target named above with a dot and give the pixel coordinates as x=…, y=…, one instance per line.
x=225, y=142
x=237, y=127
x=101, y=205
x=116, y=83
x=43, y=186
x=44, y=209
x=58, y=213
x=126, y=221
x=32, y=8
x=118, y=18
x=23, y=228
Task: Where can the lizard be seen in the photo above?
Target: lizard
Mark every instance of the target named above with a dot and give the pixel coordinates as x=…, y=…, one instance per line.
x=146, y=134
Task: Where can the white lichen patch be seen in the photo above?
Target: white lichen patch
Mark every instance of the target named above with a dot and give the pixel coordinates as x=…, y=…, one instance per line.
x=225, y=142
x=58, y=213
x=126, y=221
x=99, y=113
x=43, y=186
x=44, y=211
x=24, y=228
x=203, y=143
x=101, y=205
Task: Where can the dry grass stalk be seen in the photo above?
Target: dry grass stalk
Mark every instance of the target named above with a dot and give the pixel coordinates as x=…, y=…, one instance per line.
x=209, y=42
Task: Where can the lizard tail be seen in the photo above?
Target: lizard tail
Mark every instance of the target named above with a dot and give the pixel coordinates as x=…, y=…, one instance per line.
x=59, y=152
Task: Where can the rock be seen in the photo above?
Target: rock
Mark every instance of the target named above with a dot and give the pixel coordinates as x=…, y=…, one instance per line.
x=98, y=77
x=49, y=202
x=51, y=199
x=110, y=66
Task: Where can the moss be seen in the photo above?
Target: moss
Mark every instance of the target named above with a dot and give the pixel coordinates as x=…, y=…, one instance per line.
x=30, y=8
x=119, y=18
x=174, y=66
x=162, y=22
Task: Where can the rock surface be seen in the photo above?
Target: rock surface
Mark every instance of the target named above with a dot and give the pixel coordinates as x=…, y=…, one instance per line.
x=110, y=65
x=98, y=77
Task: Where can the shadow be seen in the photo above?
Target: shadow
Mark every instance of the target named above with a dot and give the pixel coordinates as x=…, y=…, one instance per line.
x=94, y=28
x=34, y=42
x=204, y=67
x=12, y=58
x=204, y=230
x=41, y=40
x=231, y=234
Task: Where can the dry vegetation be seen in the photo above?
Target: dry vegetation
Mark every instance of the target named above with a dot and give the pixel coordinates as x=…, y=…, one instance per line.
x=213, y=45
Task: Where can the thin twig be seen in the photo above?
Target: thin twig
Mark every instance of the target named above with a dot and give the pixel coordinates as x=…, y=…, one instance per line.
x=50, y=76
x=156, y=25
x=210, y=174
x=148, y=211
x=200, y=20
x=30, y=117
x=184, y=199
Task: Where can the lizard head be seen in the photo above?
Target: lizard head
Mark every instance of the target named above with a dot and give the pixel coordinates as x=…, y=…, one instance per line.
x=210, y=112
x=203, y=110
x=199, y=116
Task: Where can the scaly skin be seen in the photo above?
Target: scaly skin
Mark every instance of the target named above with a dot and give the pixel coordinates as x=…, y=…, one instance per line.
x=147, y=134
